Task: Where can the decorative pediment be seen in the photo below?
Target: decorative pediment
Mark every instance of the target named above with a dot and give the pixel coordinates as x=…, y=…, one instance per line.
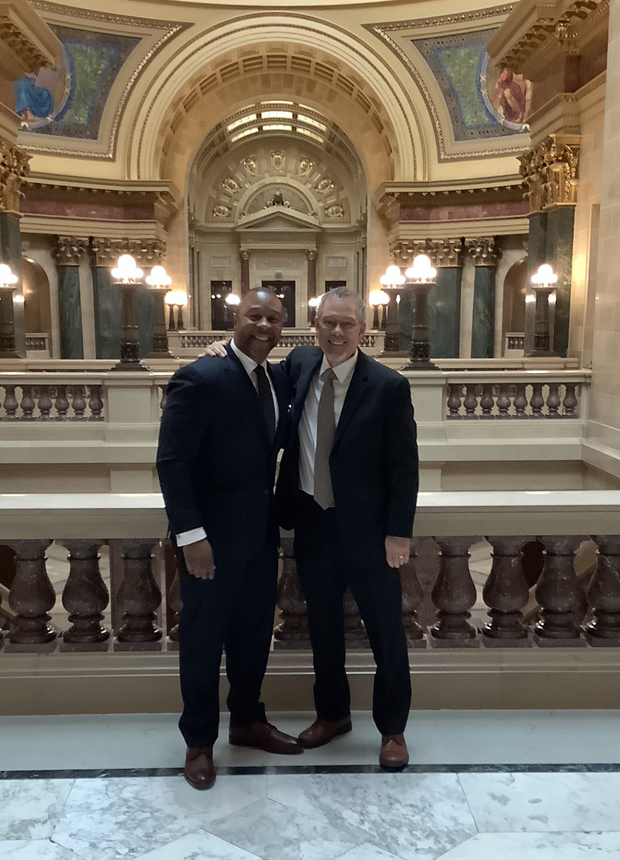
x=278, y=218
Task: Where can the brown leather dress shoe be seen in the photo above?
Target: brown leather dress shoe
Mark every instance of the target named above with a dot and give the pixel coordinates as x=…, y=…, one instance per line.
x=199, y=770
x=264, y=736
x=394, y=754
x=321, y=732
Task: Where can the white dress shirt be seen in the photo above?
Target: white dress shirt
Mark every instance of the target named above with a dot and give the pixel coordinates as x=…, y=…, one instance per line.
x=194, y=535
x=307, y=425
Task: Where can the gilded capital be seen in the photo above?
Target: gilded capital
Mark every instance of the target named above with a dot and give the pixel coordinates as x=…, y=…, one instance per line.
x=244, y=254
x=444, y=253
x=69, y=251
x=550, y=172
x=402, y=251
x=147, y=252
x=483, y=250
x=14, y=169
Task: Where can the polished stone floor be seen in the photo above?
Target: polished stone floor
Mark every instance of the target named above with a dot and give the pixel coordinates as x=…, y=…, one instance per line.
x=482, y=786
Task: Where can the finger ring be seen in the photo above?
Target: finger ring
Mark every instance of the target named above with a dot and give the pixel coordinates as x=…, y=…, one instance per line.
x=401, y=556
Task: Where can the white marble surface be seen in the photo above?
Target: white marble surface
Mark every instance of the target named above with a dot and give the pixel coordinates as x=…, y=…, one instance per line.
x=535, y=802
x=416, y=816
x=34, y=849
x=537, y=846
x=199, y=845
x=29, y=809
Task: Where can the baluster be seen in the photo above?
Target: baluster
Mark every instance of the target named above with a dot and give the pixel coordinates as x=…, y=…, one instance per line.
x=604, y=593
x=454, y=594
x=506, y=593
x=176, y=604
x=139, y=598
x=78, y=402
x=520, y=400
x=470, y=402
x=27, y=403
x=503, y=401
x=553, y=400
x=486, y=401
x=31, y=598
x=292, y=631
x=62, y=403
x=558, y=592
x=454, y=401
x=95, y=402
x=10, y=401
x=412, y=597
x=537, y=401
x=45, y=402
x=569, y=404
x=85, y=598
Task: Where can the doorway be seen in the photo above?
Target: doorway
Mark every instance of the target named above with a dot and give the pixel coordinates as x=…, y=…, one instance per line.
x=221, y=313
x=285, y=291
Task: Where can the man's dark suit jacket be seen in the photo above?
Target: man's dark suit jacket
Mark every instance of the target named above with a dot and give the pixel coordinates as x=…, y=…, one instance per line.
x=215, y=462
x=374, y=460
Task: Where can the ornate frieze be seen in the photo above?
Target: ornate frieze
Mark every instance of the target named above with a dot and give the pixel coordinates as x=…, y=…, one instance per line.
x=147, y=252
x=69, y=251
x=13, y=171
x=444, y=253
x=483, y=250
x=550, y=172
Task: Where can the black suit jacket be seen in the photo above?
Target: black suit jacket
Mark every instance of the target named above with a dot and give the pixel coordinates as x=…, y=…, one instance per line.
x=215, y=462
x=374, y=459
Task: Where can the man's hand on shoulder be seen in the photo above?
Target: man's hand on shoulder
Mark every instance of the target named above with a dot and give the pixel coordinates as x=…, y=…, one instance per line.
x=199, y=559
x=396, y=551
x=217, y=349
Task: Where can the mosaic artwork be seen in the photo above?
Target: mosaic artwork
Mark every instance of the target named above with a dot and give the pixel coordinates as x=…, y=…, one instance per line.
x=483, y=101
x=68, y=99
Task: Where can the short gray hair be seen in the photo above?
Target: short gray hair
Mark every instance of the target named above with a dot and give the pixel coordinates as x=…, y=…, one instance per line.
x=344, y=293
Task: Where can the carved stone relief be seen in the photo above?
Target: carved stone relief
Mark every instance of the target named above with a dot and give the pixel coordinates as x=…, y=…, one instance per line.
x=147, y=252
x=483, y=250
x=13, y=172
x=277, y=160
x=69, y=251
x=550, y=172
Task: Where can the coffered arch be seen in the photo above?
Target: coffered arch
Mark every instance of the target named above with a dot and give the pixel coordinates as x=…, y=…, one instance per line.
x=280, y=56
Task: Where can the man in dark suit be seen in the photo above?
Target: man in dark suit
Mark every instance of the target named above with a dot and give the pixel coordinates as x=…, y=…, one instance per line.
x=348, y=485
x=222, y=427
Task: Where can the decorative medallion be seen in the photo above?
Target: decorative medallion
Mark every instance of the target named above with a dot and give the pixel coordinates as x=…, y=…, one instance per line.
x=230, y=185
x=220, y=211
x=277, y=160
x=250, y=165
x=335, y=211
x=305, y=166
x=325, y=185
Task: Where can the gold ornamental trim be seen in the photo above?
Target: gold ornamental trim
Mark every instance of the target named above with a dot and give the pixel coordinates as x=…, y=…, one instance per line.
x=550, y=172
x=484, y=250
x=14, y=168
x=69, y=250
x=147, y=252
x=444, y=253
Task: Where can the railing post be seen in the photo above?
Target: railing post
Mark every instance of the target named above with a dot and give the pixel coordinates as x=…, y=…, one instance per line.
x=506, y=593
x=85, y=597
x=31, y=598
x=604, y=594
x=292, y=631
x=139, y=598
x=454, y=595
x=558, y=593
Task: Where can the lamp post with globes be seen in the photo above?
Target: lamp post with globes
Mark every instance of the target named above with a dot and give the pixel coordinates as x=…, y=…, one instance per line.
x=378, y=299
x=176, y=299
x=422, y=278
x=232, y=301
x=158, y=284
x=128, y=277
x=392, y=283
x=313, y=304
x=543, y=284
x=8, y=282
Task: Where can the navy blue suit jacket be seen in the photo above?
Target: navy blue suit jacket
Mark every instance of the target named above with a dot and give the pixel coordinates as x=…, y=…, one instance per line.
x=215, y=463
x=374, y=458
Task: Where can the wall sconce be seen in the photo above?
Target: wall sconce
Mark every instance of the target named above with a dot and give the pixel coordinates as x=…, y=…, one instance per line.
x=544, y=285
x=421, y=276
x=176, y=299
x=392, y=282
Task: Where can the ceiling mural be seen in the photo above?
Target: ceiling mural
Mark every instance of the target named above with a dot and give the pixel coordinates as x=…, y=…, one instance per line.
x=68, y=99
x=482, y=100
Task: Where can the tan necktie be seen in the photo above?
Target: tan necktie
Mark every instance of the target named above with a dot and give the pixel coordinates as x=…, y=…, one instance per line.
x=325, y=429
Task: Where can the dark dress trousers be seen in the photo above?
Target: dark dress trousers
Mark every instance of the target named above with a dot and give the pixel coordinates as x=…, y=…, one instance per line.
x=216, y=468
x=374, y=472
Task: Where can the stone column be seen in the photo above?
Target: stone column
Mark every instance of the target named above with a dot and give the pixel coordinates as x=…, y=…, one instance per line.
x=245, y=271
x=485, y=254
x=311, y=254
x=107, y=300
x=550, y=171
x=444, y=300
x=13, y=172
x=68, y=253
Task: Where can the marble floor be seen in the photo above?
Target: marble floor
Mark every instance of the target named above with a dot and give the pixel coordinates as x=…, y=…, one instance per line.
x=521, y=785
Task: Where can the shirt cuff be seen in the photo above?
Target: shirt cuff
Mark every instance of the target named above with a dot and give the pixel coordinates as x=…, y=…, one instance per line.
x=192, y=536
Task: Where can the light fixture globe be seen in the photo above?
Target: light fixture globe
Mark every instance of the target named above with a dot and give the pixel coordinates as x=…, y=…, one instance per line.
x=232, y=300
x=545, y=278
x=7, y=278
x=126, y=271
x=422, y=271
x=543, y=284
x=8, y=281
x=158, y=280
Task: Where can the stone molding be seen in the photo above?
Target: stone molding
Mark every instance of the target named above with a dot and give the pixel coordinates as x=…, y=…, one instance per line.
x=484, y=251
x=14, y=168
x=26, y=42
x=444, y=253
x=69, y=251
x=550, y=172
x=147, y=252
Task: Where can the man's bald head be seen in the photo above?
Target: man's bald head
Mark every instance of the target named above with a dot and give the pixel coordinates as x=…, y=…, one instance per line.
x=258, y=323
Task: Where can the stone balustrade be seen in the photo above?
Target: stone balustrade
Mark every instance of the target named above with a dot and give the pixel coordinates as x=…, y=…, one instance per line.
x=507, y=395
x=68, y=398
x=193, y=343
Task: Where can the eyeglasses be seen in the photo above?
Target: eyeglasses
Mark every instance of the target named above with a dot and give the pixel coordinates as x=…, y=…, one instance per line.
x=345, y=325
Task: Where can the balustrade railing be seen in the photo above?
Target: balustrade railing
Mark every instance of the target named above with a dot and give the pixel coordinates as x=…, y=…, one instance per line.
x=65, y=399
x=567, y=615
x=199, y=340
x=504, y=395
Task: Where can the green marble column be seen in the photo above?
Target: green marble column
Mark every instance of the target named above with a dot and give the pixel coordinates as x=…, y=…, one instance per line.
x=560, y=232
x=444, y=313
x=405, y=319
x=144, y=318
x=536, y=256
x=484, y=253
x=11, y=254
x=68, y=253
x=107, y=301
